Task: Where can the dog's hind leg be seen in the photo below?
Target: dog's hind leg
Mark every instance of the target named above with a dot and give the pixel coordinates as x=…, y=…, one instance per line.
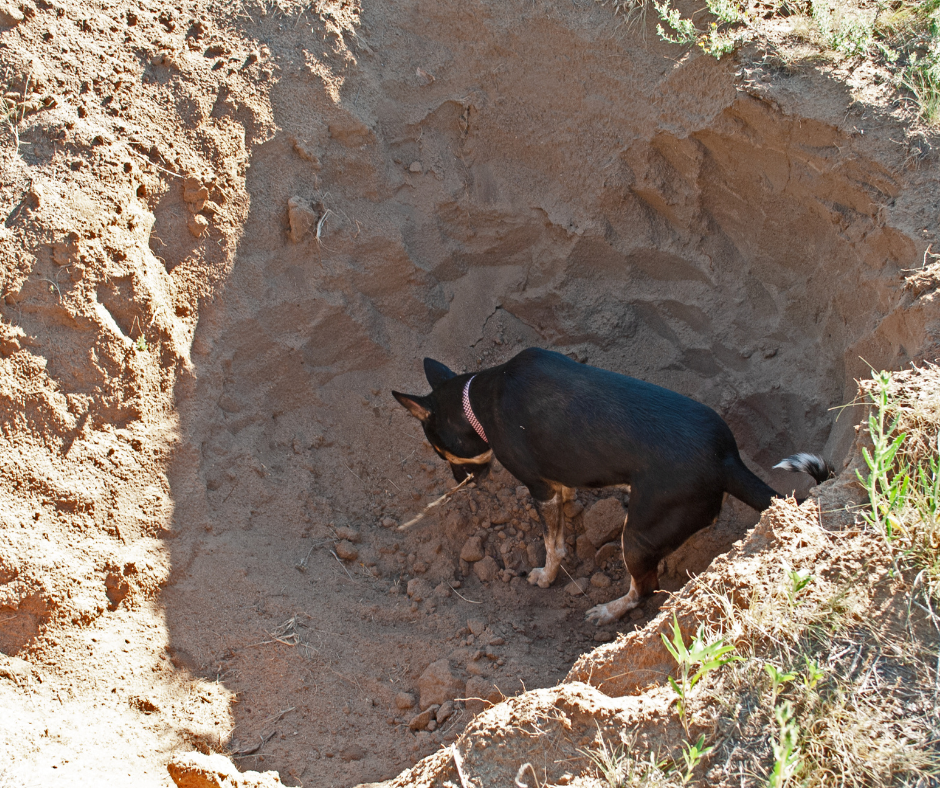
x=648, y=536
x=552, y=512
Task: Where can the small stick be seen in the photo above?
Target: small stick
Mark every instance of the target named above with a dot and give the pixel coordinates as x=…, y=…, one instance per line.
x=276, y=717
x=463, y=597
x=253, y=750
x=326, y=213
x=332, y=553
x=438, y=502
x=302, y=566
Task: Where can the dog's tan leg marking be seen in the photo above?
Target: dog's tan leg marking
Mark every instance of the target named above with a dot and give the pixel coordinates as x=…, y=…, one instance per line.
x=553, y=513
x=613, y=611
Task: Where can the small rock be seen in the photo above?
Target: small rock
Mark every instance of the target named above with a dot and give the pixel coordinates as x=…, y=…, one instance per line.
x=415, y=167
x=442, y=591
x=480, y=694
x=472, y=550
x=573, y=509
x=388, y=522
x=487, y=569
x=352, y=752
x=194, y=191
x=606, y=552
x=346, y=550
x=302, y=217
x=604, y=521
x=600, y=580
x=603, y=636
x=576, y=587
x=585, y=548
x=497, y=641
x=438, y=684
x=405, y=700
x=198, y=225
x=419, y=589
x=445, y=712
x=420, y=721
x=476, y=626
x=349, y=534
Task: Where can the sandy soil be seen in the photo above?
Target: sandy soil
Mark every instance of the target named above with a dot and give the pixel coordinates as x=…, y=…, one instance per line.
x=232, y=228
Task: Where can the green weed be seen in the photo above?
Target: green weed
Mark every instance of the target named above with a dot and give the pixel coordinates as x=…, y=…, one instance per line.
x=707, y=656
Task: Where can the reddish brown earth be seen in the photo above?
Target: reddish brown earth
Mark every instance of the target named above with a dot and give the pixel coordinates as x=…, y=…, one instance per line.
x=231, y=228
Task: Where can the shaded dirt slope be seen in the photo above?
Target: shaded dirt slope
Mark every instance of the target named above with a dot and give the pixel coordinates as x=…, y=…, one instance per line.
x=232, y=228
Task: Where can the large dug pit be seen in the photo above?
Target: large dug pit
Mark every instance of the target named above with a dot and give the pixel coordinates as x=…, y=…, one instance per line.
x=463, y=181
x=552, y=185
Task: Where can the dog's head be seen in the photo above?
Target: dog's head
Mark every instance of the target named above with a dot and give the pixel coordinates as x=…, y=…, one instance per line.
x=445, y=425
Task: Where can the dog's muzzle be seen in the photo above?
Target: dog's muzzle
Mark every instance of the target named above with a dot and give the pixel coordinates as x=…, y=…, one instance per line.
x=462, y=467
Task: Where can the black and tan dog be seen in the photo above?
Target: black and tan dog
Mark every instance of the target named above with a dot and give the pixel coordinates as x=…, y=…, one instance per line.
x=557, y=425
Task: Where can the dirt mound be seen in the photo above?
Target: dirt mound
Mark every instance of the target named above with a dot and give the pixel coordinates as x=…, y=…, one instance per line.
x=231, y=229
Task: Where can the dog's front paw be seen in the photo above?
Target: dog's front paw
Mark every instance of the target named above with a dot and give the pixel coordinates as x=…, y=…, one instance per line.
x=600, y=615
x=539, y=576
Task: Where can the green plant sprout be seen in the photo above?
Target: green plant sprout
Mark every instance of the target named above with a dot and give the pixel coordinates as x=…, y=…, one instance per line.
x=777, y=679
x=708, y=656
x=692, y=755
x=886, y=487
x=799, y=580
x=787, y=755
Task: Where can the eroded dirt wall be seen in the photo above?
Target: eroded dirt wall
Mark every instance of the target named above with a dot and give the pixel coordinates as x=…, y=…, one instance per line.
x=236, y=229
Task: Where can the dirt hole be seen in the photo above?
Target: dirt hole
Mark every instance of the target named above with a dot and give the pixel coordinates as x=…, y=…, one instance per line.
x=727, y=262
x=217, y=305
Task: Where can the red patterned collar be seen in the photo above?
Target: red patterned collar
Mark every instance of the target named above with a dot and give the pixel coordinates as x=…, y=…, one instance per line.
x=468, y=411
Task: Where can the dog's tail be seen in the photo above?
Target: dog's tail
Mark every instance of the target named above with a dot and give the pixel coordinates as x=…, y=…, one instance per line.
x=812, y=464
x=747, y=487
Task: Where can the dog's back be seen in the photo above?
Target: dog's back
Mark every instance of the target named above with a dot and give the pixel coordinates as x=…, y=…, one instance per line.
x=581, y=426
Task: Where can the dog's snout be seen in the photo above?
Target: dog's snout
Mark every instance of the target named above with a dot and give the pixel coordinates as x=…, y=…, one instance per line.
x=463, y=470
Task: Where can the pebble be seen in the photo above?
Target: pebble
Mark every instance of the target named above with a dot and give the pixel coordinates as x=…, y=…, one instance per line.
x=346, y=550
x=419, y=589
x=352, y=752
x=420, y=721
x=576, y=587
x=604, y=521
x=487, y=569
x=349, y=534
x=606, y=552
x=198, y=225
x=438, y=684
x=476, y=626
x=445, y=712
x=472, y=550
x=405, y=700
x=600, y=580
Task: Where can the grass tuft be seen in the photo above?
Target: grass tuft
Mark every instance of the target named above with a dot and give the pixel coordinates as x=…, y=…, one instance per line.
x=901, y=35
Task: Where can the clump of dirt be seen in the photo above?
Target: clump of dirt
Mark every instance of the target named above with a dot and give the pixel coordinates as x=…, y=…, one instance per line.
x=232, y=228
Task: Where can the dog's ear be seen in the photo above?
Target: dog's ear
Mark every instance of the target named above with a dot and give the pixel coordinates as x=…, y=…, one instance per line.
x=416, y=406
x=436, y=372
